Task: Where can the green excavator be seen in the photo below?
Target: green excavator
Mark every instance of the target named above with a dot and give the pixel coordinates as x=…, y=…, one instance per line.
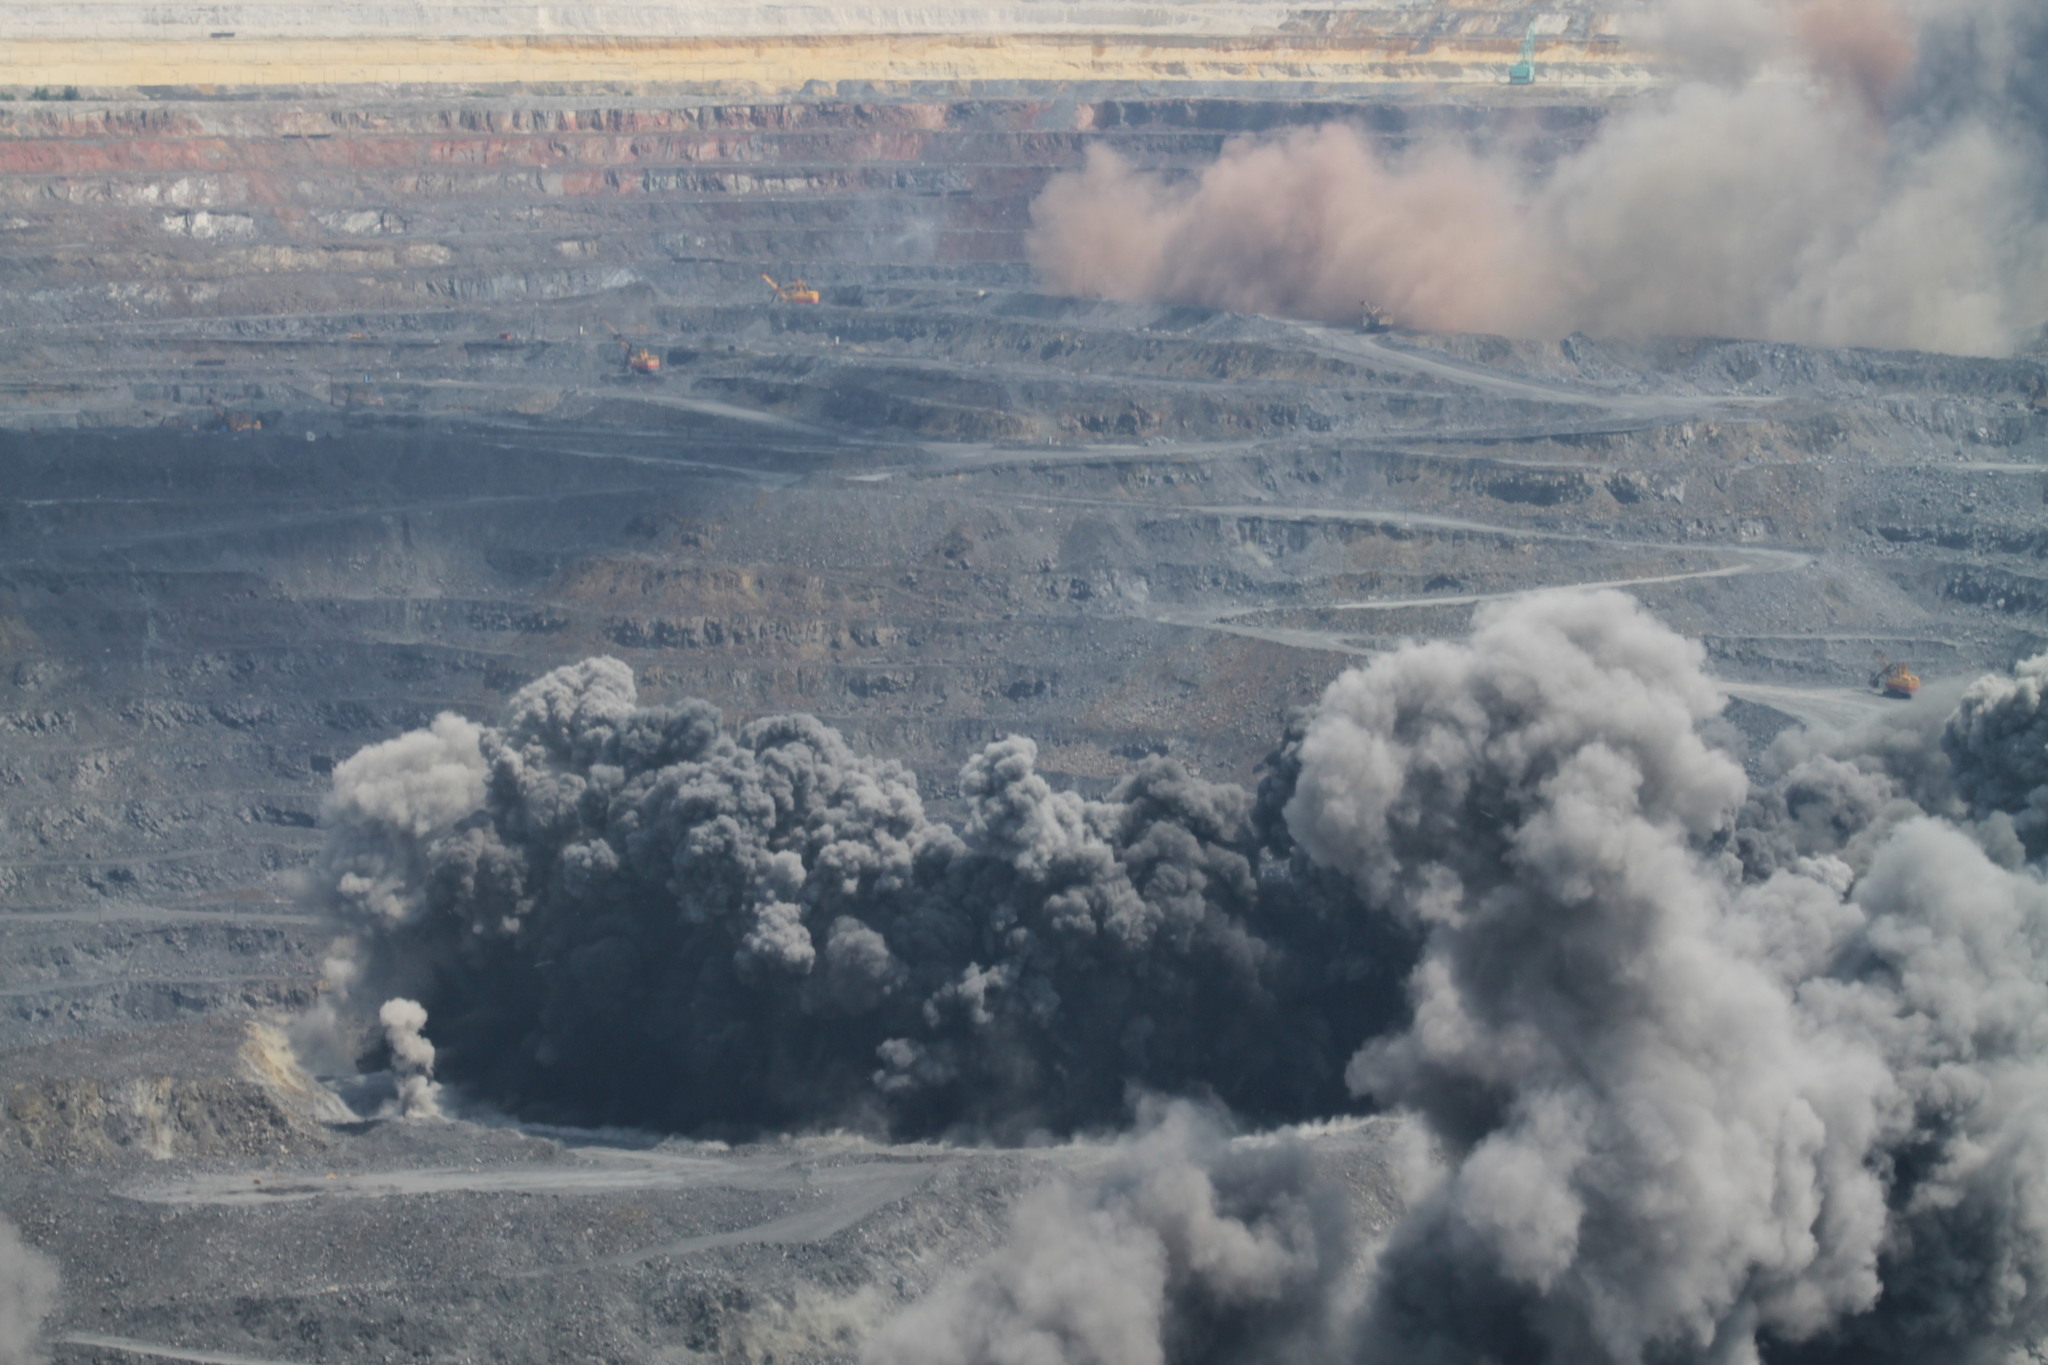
x=1524, y=71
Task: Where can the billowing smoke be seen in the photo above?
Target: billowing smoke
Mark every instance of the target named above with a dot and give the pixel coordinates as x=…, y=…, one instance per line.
x=1714, y=1072
x=1693, y=1108
x=1610, y=1063
x=28, y=1291
x=1188, y=1248
x=621, y=913
x=1998, y=744
x=1716, y=1075
x=1824, y=171
x=412, y=1058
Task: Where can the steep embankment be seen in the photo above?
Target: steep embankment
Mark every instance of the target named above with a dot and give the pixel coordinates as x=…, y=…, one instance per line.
x=210, y=1088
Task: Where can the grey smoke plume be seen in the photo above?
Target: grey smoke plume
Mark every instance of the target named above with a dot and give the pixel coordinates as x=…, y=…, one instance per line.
x=1189, y=1248
x=1998, y=744
x=1951, y=987
x=412, y=1058
x=384, y=804
x=1689, y=1115
x=1826, y=171
x=28, y=1291
x=1652, y=1152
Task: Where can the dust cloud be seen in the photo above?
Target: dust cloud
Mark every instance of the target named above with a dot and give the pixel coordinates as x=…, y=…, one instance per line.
x=1836, y=172
x=1190, y=1248
x=1690, y=1110
x=1711, y=1070
x=1711, y=1074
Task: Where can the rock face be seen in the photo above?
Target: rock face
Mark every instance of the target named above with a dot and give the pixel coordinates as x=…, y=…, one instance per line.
x=211, y=1088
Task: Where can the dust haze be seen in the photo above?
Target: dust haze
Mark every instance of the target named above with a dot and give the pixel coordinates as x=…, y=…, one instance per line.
x=28, y=1291
x=1188, y=1248
x=1836, y=172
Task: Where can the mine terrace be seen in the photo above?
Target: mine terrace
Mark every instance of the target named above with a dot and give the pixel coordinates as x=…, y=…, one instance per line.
x=364, y=363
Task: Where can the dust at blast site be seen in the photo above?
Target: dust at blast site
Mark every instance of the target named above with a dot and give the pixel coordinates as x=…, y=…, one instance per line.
x=1049, y=684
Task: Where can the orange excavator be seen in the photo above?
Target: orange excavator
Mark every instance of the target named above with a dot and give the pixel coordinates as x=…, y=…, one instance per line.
x=639, y=360
x=794, y=292
x=1894, y=680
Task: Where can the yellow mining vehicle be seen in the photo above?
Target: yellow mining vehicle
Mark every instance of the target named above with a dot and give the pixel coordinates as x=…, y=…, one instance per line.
x=640, y=360
x=794, y=292
x=1894, y=680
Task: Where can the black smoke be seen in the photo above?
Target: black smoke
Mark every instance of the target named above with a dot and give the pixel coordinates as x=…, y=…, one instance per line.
x=617, y=913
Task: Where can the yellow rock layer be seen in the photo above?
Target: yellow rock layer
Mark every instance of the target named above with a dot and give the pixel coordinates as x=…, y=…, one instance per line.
x=773, y=64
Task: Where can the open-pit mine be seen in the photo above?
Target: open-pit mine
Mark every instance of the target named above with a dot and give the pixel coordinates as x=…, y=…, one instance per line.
x=919, y=369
